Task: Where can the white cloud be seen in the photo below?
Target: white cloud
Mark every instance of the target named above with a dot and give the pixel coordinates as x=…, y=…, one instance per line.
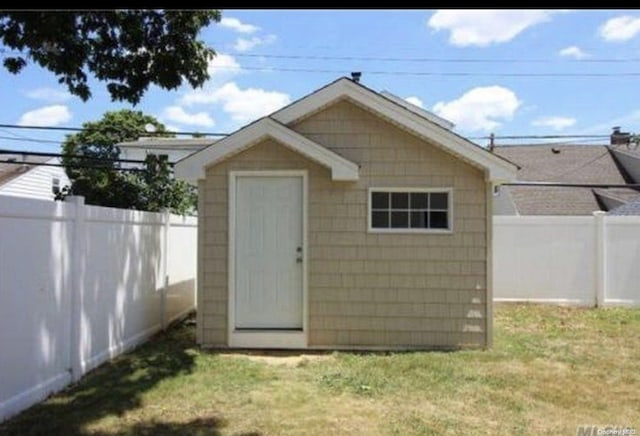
x=223, y=65
x=481, y=108
x=620, y=29
x=51, y=95
x=485, y=27
x=244, y=44
x=555, y=123
x=415, y=101
x=46, y=116
x=238, y=26
x=241, y=104
x=178, y=115
x=574, y=52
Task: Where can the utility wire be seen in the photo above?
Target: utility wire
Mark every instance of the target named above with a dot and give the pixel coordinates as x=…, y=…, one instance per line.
x=573, y=185
x=406, y=59
x=80, y=129
x=45, y=164
x=429, y=59
x=579, y=167
x=77, y=129
x=432, y=73
x=25, y=139
x=73, y=156
x=551, y=75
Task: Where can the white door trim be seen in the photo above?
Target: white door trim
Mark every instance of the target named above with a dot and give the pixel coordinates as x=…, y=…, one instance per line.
x=265, y=338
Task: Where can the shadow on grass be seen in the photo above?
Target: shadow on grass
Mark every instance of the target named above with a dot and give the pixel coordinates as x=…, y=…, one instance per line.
x=113, y=389
x=200, y=426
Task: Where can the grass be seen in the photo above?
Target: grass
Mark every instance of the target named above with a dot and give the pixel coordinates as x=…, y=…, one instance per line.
x=551, y=369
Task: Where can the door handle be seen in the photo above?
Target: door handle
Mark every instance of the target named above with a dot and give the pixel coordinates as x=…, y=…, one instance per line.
x=299, y=255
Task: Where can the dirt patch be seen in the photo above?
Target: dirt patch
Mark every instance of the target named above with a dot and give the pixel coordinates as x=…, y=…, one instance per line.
x=281, y=359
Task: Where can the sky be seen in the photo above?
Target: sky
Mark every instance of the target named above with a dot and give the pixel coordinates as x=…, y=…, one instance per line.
x=518, y=72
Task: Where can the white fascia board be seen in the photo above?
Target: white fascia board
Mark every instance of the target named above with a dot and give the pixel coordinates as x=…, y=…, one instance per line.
x=498, y=169
x=420, y=111
x=193, y=167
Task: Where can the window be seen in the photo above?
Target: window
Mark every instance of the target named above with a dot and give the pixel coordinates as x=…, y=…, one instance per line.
x=409, y=210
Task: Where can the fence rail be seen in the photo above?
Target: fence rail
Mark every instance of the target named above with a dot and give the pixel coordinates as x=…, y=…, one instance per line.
x=80, y=284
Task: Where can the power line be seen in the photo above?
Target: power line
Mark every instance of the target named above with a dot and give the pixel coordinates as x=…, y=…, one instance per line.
x=429, y=59
x=432, y=73
x=25, y=139
x=409, y=59
x=16, y=126
x=579, y=167
x=573, y=185
x=73, y=156
x=45, y=164
x=80, y=129
x=550, y=75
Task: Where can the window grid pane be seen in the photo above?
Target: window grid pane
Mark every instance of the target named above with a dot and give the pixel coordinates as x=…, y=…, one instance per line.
x=409, y=210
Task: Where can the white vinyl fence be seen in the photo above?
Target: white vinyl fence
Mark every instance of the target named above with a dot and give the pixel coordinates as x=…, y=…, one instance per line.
x=585, y=260
x=80, y=284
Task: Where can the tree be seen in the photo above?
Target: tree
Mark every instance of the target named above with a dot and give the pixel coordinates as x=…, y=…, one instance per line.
x=128, y=49
x=91, y=162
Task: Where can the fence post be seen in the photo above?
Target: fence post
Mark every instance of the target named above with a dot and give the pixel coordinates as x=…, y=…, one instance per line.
x=77, y=279
x=166, y=226
x=601, y=258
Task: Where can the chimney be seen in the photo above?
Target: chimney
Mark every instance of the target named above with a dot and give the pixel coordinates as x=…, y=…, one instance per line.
x=355, y=76
x=619, y=138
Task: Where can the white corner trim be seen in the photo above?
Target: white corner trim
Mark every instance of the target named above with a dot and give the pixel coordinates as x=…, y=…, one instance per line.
x=193, y=167
x=498, y=168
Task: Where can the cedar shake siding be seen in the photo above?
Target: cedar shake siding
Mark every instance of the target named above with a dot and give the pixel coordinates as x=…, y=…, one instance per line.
x=376, y=290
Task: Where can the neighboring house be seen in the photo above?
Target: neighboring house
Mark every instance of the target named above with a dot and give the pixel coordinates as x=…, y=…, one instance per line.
x=571, y=164
x=32, y=181
x=174, y=148
x=631, y=208
x=345, y=220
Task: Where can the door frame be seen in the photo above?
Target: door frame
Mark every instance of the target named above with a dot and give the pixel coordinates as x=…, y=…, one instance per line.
x=265, y=338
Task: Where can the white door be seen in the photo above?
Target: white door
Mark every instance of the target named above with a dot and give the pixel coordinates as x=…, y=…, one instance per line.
x=268, y=252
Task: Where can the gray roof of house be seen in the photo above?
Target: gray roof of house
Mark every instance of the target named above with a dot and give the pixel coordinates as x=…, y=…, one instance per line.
x=9, y=171
x=631, y=208
x=169, y=143
x=583, y=164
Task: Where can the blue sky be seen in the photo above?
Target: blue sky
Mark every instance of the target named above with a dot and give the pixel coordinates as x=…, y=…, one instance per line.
x=459, y=64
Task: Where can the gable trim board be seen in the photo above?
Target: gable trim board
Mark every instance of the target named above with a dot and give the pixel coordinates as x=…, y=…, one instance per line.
x=194, y=166
x=498, y=169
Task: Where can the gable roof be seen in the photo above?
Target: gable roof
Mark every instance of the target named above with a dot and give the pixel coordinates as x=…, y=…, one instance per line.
x=11, y=171
x=498, y=168
x=192, y=167
x=579, y=164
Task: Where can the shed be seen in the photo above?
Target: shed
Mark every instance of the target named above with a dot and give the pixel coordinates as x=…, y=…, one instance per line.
x=345, y=221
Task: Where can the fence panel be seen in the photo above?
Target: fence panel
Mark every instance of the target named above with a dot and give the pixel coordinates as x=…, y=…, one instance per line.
x=80, y=284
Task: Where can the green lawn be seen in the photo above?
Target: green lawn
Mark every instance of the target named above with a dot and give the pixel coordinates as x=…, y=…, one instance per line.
x=551, y=369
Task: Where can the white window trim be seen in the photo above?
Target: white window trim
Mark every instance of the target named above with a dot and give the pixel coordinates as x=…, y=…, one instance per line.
x=449, y=190
x=266, y=338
